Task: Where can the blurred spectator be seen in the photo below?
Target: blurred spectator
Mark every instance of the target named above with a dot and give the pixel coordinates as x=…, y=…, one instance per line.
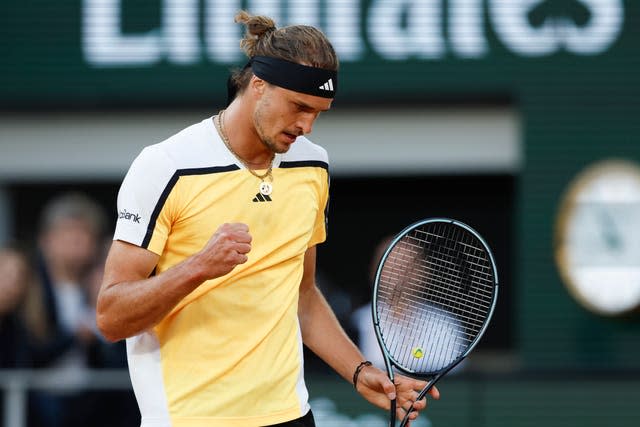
x=71, y=229
x=14, y=277
x=15, y=281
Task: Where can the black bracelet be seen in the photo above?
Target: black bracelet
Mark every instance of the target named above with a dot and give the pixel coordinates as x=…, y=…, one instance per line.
x=357, y=372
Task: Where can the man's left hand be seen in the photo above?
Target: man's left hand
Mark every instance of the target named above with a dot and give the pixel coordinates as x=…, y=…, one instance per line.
x=375, y=386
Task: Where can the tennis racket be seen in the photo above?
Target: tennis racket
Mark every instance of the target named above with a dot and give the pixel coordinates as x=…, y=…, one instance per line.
x=435, y=291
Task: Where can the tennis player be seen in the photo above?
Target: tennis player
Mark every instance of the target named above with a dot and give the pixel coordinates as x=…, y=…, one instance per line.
x=210, y=277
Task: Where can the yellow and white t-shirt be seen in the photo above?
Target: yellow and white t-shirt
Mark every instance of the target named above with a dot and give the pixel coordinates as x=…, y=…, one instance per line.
x=230, y=353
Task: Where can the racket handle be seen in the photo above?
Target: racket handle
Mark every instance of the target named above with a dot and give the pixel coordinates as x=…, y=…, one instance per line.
x=422, y=394
x=392, y=414
x=405, y=420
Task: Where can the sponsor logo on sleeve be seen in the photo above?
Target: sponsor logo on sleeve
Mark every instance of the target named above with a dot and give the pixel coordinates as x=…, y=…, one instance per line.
x=129, y=216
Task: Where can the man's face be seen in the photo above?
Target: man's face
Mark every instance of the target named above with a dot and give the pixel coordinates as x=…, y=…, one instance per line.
x=282, y=115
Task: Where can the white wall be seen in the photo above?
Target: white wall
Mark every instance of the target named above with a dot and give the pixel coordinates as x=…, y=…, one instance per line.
x=374, y=142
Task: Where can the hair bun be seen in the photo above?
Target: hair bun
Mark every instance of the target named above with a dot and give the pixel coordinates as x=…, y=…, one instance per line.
x=257, y=25
x=259, y=29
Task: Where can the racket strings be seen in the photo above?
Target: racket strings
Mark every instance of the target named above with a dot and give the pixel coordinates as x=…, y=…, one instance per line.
x=443, y=288
x=435, y=292
x=447, y=262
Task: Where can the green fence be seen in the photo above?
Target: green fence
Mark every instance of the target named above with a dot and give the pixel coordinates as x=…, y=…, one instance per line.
x=562, y=399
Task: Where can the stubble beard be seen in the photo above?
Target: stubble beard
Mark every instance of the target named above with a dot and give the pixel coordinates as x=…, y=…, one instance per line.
x=268, y=142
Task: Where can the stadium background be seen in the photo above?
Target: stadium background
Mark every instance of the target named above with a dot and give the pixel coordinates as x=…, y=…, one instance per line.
x=480, y=110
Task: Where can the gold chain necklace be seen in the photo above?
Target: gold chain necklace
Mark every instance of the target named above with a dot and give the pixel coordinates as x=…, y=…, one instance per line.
x=265, y=188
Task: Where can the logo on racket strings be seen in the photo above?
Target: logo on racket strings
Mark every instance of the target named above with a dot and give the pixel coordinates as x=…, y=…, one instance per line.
x=417, y=352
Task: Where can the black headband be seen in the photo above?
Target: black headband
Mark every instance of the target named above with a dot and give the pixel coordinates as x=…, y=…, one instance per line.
x=290, y=75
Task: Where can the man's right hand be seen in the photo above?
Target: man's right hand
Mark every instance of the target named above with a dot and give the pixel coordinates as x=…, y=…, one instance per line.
x=227, y=248
x=132, y=300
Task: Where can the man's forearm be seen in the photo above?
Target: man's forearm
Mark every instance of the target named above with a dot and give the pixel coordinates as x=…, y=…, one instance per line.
x=322, y=333
x=129, y=308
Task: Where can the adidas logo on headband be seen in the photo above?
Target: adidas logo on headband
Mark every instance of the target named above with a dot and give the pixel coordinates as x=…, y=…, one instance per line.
x=327, y=86
x=294, y=76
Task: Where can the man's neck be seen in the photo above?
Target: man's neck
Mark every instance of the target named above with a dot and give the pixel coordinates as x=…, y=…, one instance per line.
x=243, y=137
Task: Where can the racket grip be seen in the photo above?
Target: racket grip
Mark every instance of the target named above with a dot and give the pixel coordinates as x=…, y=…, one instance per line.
x=405, y=420
x=422, y=394
x=392, y=414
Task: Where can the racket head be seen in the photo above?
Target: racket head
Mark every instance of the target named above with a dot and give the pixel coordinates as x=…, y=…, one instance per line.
x=434, y=294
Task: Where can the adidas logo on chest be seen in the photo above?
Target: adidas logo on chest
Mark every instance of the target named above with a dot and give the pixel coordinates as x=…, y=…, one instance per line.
x=261, y=198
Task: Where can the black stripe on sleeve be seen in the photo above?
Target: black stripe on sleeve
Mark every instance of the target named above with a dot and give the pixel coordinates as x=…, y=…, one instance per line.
x=305, y=164
x=169, y=187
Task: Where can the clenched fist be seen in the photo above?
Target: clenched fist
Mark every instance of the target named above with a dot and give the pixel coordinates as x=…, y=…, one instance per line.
x=227, y=248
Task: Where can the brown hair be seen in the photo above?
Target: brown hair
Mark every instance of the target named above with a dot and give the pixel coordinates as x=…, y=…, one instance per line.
x=302, y=44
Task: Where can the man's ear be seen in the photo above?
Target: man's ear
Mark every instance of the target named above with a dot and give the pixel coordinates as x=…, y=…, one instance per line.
x=257, y=86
